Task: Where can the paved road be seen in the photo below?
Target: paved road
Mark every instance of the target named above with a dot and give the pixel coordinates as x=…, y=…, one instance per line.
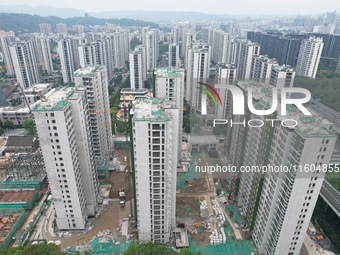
x=331, y=194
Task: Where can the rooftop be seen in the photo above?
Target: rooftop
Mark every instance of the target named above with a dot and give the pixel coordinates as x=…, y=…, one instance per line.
x=307, y=126
x=86, y=71
x=16, y=196
x=133, y=91
x=202, y=139
x=26, y=140
x=38, y=87
x=151, y=109
x=56, y=99
x=285, y=68
x=168, y=72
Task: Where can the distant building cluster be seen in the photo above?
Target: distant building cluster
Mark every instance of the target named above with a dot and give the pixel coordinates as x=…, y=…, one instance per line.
x=62, y=77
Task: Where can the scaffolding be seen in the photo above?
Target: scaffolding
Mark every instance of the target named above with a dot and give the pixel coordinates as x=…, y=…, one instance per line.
x=9, y=224
x=25, y=171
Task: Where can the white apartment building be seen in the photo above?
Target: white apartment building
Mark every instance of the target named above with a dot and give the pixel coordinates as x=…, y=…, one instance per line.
x=188, y=38
x=169, y=85
x=24, y=57
x=278, y=206
x=241, y=56
x=288, y=199
x=62, y=122
x=282, y=76
x=5, y=42
x=61, y=28
x=220, y=42
x=94, y=80
x=152, y=48
x=120, y=46
x=110, y=50
x=36, y=92
x=155, y=126
x=143, y=34
x=78, y=29
x=173, y=55
x=18, y=114
x=97, y=52
x=197, y=67
x=138, y=68
x=44, y=56
x=226, y=74
x=268, y=71
x=309, y=57
x=261, y=68
x=45, y=28
x=69, y=57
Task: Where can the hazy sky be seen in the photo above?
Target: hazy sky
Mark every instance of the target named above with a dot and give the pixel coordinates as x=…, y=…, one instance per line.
x=206, y=6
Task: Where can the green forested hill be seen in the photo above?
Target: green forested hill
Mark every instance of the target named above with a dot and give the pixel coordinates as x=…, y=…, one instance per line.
x=327, y=89
x=30, y=23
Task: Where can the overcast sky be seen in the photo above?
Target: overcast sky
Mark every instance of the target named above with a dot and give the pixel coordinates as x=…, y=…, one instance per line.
x=206, y=6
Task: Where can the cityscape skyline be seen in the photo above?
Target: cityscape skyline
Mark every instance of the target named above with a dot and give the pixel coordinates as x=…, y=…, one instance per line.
x=243, y=7
x=113, y=113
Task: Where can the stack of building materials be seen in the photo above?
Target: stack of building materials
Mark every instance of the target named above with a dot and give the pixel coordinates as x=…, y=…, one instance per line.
x=218, y=235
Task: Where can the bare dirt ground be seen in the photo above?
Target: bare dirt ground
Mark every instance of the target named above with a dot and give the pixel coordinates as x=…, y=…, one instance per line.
x=197, y=186
x=120, y=180
x=188, y=212
x=108, y=219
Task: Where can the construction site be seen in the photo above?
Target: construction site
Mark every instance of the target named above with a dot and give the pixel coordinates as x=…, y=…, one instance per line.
x=205, y=221
x=23, y=188
x=10, y=222
x=203, y=209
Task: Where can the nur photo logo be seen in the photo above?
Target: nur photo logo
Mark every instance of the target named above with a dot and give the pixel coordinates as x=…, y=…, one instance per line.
x=208, y=91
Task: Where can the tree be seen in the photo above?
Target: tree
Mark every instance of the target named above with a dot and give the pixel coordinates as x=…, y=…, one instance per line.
x=151, y=249
x=36, y=249
x=327, y=90
x=147, y=84
x=163, y=48
x=186, y=251
x=118, y=80
x=29, y=125
x=134, y=42
x=120, y=127
x=8, y=124
x=187, y=128
x=1, y=131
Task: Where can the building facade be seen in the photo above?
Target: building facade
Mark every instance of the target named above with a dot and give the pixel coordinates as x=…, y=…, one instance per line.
x=138, y=67
x=5, y=42
x=69, y=58
x=24, y=57
x=309, y=57
x=94, y=80
x=197, y=67
x=241, y=56
x=173, y=55
x=64, y=133
x=278, y=205
x=155, y=128
x=152, y=48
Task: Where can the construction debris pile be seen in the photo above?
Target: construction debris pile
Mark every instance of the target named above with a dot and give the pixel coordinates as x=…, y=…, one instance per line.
x=105, y=236
x=218, y=237
x=103, y=243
